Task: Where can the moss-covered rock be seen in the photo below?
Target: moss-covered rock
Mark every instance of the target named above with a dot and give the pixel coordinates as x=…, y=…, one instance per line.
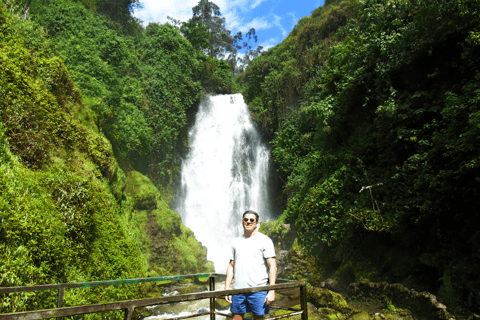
x=142, y=191
x=313, y=312
x=287, y=299
x=364, y=315
x=221, y=304
x=398, y=299
x=323, y=298
x=328, y=313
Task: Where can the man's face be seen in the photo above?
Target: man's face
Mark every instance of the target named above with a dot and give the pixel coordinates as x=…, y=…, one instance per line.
x=249, y=222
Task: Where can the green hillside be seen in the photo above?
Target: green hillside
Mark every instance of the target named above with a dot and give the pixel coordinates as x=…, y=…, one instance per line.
x=92, y=120
x=374, y=112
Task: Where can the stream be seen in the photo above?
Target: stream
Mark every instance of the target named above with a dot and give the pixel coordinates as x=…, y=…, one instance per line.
x=182, y=309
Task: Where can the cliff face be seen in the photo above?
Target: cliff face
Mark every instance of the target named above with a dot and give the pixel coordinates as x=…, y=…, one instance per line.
x=68, y=211
x=336, y=286
x=373, y=111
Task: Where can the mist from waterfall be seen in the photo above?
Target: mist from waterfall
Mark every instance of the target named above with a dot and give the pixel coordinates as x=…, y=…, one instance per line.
x=224, y=174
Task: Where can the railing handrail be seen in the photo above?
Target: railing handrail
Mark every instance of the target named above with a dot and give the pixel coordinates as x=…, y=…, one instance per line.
x=105, y=283
x=130, y=305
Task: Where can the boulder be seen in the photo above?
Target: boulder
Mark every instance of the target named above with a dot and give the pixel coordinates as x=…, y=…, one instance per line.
x=323, y=298
x=422, y=305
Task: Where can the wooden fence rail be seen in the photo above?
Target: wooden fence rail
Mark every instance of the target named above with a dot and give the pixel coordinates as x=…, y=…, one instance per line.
x=130, y=305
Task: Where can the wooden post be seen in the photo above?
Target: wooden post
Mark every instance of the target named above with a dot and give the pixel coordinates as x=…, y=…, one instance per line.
x=128, y=313
x=212, y=300
x=61, y=293
x=303, y=301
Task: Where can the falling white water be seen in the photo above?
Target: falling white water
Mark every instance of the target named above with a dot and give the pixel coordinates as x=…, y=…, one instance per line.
x=224, y=174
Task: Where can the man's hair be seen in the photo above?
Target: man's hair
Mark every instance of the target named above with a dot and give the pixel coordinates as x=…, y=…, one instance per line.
x=252, y=212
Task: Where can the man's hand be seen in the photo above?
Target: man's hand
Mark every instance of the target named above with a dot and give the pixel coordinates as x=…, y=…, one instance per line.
x=228, y=299
x=270, y=297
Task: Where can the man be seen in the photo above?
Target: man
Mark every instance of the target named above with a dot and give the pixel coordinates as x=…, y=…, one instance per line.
x=252, y=264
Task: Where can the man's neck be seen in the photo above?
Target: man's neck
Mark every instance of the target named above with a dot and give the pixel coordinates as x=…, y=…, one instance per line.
x=248, y=234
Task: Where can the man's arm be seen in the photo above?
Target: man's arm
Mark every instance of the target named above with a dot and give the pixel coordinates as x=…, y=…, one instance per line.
x=229, y=278
x=272, y=277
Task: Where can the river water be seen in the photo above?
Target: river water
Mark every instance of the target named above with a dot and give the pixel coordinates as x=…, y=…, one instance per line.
x=183, y=309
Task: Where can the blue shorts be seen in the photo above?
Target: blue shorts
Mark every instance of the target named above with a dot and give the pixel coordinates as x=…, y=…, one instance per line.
x=250, y=303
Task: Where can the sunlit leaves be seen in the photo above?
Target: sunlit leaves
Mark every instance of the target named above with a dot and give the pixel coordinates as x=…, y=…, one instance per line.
x=397, y=92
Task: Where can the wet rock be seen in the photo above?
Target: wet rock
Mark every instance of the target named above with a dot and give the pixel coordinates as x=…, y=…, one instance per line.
x=328, y=313
x=364, y=315
x=422, y=304
x=221, y=304
x=313, y=313
x=282, y=263
x=301, y=266
x=190, y=289
x=394, y=314
x=331, y=284
x=323, y=298
x=286, y=300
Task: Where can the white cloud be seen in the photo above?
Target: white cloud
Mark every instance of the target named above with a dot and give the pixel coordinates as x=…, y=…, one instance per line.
x=294, y=19
x=232, y=19
x=238, y=4
x=272, y=42
x=259, y=24
x=235, y=22
x=279, y=25
x=256, y=3
x=157, y=11
x=236, y=13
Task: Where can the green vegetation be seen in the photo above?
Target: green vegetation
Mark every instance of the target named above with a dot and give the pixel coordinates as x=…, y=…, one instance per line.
x=373, y=111
x=139, y=87
x=206, y=31
x=373, y=108
x=93, y=111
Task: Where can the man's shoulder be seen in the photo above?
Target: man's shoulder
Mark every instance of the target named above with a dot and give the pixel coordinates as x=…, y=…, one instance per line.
x=263, y=236
x=238, y=239
x=264, y=240
x=267, y=244
x=257, y=237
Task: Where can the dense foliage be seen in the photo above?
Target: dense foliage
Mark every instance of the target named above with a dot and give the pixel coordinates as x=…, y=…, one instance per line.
x=75, y=96
x=207, y=32
x=374, y=107
x=140, y=88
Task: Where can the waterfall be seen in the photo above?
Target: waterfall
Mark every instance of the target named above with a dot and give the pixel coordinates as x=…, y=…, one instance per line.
x=224, y=174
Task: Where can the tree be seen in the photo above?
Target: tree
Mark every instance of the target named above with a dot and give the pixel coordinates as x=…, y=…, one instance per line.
x=232, y=57
x=250, y=54
x=238, y=64
x=118, y=10
x=207, y=33
x=208, y=14
x=197, y=34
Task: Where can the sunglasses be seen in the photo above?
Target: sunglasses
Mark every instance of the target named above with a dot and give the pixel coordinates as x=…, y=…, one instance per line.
x=246, y=219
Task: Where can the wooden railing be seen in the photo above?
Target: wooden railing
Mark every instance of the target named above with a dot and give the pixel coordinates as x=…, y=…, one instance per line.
x=130, y=305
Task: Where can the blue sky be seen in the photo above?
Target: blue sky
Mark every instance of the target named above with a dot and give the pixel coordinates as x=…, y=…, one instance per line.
x=272, y=19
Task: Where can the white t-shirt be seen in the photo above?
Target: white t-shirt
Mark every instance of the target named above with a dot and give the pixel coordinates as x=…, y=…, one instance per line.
x=249, y=254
